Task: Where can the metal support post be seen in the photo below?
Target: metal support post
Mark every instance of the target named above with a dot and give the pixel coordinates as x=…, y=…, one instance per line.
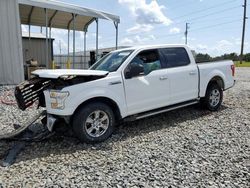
x=85, y=54
x=116, y=35
x=96, y=39
x=47, y=45
x=74, y=45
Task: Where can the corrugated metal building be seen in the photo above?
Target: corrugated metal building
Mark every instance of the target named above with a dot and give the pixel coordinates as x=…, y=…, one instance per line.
x=34, y=47
x=11, y=56
x=44, y=13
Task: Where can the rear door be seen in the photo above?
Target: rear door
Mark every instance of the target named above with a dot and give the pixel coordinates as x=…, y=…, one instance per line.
x=182, y=74
x=150, y=89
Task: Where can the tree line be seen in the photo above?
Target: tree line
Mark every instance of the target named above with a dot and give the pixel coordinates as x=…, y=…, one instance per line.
x=200, y=57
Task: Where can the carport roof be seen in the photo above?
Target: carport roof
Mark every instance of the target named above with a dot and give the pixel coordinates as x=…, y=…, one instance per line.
x=60, y=15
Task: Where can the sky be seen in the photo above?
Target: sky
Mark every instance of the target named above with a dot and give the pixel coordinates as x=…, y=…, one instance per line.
x=215, y=27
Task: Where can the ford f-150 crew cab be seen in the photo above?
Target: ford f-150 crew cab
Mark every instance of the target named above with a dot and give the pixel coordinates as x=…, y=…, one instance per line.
x=126, y=84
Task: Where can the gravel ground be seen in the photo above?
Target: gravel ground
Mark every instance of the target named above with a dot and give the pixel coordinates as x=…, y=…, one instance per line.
x=183, y=148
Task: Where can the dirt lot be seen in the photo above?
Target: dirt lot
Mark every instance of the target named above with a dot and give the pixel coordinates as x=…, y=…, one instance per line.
x=183, y=148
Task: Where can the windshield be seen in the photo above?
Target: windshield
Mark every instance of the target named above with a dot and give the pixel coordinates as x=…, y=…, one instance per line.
x=112, y=61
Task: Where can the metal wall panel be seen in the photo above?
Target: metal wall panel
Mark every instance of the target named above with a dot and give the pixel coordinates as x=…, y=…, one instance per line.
x=36, y=49
x=61, y=61
x=11, y=57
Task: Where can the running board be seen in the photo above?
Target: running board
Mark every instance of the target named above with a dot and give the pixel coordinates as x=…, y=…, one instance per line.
x=160, y=110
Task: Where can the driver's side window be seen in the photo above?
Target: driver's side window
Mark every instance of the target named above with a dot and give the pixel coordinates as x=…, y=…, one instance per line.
x=144, y=63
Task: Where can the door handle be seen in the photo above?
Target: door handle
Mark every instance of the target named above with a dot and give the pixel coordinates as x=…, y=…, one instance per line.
x=115, y=82
x=192, y=73
x=163, y=78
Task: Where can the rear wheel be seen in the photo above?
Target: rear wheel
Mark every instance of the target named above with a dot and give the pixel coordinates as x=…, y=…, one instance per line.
x=213, y=98
x=94, y=122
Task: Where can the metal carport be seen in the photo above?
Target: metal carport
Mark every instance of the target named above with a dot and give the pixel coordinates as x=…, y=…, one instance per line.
x=55, y=14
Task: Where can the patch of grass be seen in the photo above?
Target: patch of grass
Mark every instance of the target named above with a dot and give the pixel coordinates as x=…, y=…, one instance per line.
x=244, y=64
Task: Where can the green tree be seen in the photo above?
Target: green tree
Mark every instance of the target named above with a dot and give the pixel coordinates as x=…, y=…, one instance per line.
x=246, y=57
x=202, y=58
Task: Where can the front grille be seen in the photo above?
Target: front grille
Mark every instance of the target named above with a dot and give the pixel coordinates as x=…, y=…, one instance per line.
x=30, y=91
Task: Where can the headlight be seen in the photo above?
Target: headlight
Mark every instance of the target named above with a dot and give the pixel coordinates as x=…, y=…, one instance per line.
x=58, y=99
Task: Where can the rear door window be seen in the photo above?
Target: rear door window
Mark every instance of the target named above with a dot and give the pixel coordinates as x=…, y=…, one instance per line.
x=175, y=57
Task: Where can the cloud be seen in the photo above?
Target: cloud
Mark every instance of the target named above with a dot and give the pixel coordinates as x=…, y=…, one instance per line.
x=94, y=35
x=24, y=28
x=201, y=47
x=224, y=43
x=140, y=28
x=174, y=30
x=60, y=36
x=219, y=48
x=152, y=37
x=127, y=41
x=189, y=38
x=82, y=35
x=137, y=40
x=146, y=15
x=61, y=40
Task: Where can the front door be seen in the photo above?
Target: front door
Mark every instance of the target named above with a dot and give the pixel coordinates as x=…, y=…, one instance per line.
x=149, y=89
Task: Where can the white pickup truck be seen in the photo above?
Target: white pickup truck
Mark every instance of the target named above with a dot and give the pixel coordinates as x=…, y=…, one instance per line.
x=127, y=84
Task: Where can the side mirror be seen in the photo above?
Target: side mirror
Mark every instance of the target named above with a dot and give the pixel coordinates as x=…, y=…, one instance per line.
x=134, y=70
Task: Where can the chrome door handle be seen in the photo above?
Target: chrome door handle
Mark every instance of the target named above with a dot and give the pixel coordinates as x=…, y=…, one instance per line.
x=163, y=78
x=192, y=73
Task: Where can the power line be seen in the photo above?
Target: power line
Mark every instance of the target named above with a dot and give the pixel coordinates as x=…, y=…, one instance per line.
x=164, y=27
x=179, y=34
x=195, y=18
x=213, y=13
x=205, y=9
x=216, y=18
x=211, y=26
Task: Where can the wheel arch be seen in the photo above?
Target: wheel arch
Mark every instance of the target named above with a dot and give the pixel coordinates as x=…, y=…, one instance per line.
x=111, y=103
x=218, y=80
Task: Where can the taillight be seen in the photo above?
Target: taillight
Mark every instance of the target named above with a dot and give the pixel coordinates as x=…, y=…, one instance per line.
x=233, y=69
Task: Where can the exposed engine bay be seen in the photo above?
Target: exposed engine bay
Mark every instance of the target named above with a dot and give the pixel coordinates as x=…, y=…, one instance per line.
x=30, y=91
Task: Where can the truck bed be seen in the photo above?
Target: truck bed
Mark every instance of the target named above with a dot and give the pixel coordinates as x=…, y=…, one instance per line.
x=208, y=70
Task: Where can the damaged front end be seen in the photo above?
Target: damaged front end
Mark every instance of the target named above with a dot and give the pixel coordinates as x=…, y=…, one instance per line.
x=31, y=91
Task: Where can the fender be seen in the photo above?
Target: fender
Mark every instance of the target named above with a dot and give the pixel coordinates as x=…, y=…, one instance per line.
x=210, y=76
x=93, y=92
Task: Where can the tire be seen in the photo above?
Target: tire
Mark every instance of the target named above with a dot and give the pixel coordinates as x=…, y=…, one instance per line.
x=94, y=122
x=214, y=96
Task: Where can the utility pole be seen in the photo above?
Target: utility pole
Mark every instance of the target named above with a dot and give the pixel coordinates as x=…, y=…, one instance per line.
x=60, y=47
x=243, y=30
x=186, y=33
x=60, y=51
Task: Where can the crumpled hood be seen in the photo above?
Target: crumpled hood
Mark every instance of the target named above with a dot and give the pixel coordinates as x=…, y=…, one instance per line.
x=56, y=73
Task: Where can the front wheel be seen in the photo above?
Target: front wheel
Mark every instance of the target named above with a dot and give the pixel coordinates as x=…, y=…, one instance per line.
x=94, y=122
x=213, y=98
